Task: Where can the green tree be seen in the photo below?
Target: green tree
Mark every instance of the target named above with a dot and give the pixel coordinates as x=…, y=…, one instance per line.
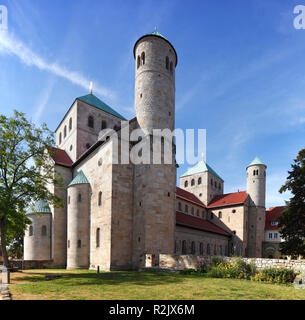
x=292, y=221
x=25, y=172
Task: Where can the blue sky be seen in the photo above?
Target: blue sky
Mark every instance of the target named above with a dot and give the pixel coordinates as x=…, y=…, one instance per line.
x=240, y=73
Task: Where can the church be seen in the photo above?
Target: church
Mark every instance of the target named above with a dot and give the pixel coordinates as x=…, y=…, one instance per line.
x=123, y=216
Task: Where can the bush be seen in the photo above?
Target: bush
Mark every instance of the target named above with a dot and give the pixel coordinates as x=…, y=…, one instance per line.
x=275, y=275
x=203, y=265
x=187, y=271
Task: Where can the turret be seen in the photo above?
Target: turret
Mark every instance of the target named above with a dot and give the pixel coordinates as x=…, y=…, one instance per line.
x=256, y=182
x=156, y=60
x=37, y=239
x=78, y=223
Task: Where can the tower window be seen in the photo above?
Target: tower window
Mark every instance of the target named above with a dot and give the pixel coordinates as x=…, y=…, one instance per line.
x=193, y=182
x=186, y=184
x=199, y=180
x=60, y=138
x=234, y=211
x=219, y=214
x=179, y=206
x=138, y=62
x=98, y=237
x=192, y=211
x=143, y=58
x=65, y=131
x=79, y=243
x=197, y=212
x=171, y=67
x=90, y=122
x=71, y=147
x=70, y=124
x=100, y=198
x=186, y=208
x=31, y=231
x=43, y=230
x=79, y=199
x=104, y=124
x=167, y=63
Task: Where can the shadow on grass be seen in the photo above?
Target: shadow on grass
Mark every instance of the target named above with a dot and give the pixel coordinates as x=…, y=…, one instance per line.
x=108, y=278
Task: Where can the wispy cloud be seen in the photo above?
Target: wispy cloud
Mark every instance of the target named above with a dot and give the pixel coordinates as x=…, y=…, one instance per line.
x=10, y=45
x=274, y=182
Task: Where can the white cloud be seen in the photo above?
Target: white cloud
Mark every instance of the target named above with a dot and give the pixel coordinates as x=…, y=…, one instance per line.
x=10, y=45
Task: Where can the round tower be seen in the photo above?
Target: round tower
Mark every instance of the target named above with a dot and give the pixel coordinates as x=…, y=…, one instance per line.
x=37, y=238
x=156, y=60
x=78, y=223
x=256, y=182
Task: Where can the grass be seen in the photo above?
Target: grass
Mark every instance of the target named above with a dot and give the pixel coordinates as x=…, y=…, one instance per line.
x=123, y=285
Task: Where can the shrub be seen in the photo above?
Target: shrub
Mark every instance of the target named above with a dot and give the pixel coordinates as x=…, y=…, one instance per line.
x=275, y=275
x=187, y=271
x=203, y=265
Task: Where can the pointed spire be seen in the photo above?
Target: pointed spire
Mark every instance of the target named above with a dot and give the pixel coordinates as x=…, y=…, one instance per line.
x=91, y=87
x=256, y=161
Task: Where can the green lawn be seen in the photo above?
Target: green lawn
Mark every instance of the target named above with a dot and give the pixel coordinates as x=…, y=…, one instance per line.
x=87, y=285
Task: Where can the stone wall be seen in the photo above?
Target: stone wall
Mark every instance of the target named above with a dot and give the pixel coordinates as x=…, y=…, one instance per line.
x=179, y=262
x=35, y=264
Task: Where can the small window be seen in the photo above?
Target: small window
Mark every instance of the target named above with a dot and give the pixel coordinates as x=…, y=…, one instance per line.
x=270, y=235
x=71, y=147
x=186, y=184
x=171, y=67
x=193, y=248
x=193, y=182
x=199, y=180
x=79, y=198
x=200, y=194
x=179, y=206
x=167, y=63
x=201, y=249
x=183, y=247
x=275, y=236
x=100, y=196
x=60, y=138
x=186, y=208
x=43, y=231
x=98, y=237
x=203, y=214
x=197, y=213
x=31, y=231
x=65, y=131
x=211, y=182
x=90, y=122
x=70, y=124
x=234, y=211
x=79, y=243
x=219, y=214
x=138, y=62
x=143, y=58
x=192, y=211
x=104, y=124
x=212, y=216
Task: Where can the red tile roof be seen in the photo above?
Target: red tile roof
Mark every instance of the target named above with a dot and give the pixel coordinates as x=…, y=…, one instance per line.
x=61, y=157
x=228, y=199
x=272, y=215
x=198, y=223
x=188, y=196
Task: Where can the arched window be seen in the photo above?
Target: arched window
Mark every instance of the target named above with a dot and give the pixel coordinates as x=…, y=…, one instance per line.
x=90, y=122
x=100, y=198
x=138, y=62
x=167, y=63
x=193, y=182
x=186, y=184
x=43, y=230
x=98, y=230
x=254, y=172
x=186, y=208
x=201, y=248
x=171, y=67
x=183, y=247
x=104, y=124
x=143, y=58
x=65, y=131
x=79, y=199
x=197, y=212
x=79, y=243
x=179, y=206
x=199, y=180
x=219, y=214
x=60, y=138
x=192, y=211
x=212, y=216
x=208, y=249
x=70, y=124
x=193, y=248
x=31, y=231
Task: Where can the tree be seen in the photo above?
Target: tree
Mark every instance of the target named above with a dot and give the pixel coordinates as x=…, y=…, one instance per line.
x=25, y=172
x=292, y=221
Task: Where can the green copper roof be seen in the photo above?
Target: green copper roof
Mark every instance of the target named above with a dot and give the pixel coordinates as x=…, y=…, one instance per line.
x=40, y=206
x=96, y=102
x=79, y=179
x=156, y=33
x=201, y=166
x=256, y=161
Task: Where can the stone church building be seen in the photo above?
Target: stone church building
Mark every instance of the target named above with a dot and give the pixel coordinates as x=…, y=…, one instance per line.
x=123, y=216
